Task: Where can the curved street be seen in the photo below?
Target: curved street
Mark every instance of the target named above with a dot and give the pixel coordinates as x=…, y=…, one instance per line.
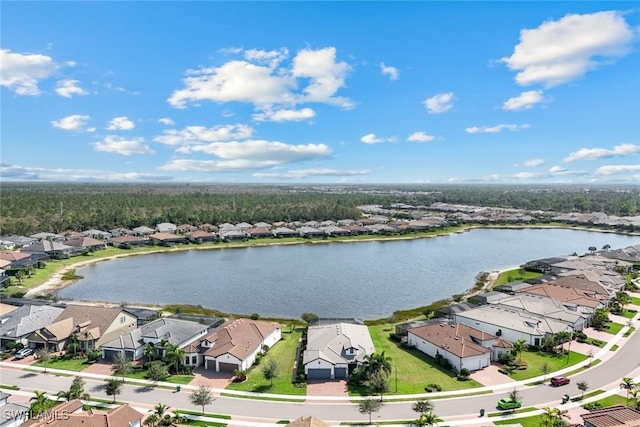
x=614, y=365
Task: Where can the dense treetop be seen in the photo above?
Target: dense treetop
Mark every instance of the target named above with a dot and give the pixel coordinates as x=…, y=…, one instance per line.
x=26, y=208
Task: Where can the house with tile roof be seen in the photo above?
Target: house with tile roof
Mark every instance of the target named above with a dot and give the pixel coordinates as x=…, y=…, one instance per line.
x=12, y=414
x=17, y=325
x=307, y=422
x=71, y=414
x=90, y=326
x=573, y=315
x=53, y=249
x=613, y=416
x=236, y=343
x=87, y=243
x=173, y=331
x=335, y=347
x=462, y=345
x=128, y=241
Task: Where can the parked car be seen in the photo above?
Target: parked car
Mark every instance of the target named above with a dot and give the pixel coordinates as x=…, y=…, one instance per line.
x=558, y=381
x=21, y=354
x=508, y=403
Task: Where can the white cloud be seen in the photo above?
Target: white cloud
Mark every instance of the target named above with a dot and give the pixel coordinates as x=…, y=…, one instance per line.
x=68, y=88
x=496, y=129
x=304, y=173
x=91, y=129
x=27, y=173
x=22, y=72
x=610, y=170
x=121, y=123
x=439, y=103
x=267, y=85
x=371, y=138
x=230, y=50
x=534, y=162
x=603, y=153
x=269, y=115
x=420, y=137
x=124, y=146
x=270, y=57
x=246, y=155
x=166, y=121
x=524, y=101
x=73, y=122
x=390, y=71
x=194, y=135
x=561, y=51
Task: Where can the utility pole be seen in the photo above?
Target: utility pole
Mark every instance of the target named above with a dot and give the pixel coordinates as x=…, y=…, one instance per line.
x=396, y=378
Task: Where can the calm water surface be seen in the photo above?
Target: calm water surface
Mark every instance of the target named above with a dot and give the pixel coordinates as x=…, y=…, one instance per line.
x=356, y=279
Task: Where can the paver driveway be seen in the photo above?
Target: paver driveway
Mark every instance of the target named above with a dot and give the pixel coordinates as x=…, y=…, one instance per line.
x=211, y=378
x=327, y=388
x=490, y=376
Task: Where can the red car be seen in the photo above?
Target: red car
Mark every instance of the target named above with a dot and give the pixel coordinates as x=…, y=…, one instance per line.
x=558, y=381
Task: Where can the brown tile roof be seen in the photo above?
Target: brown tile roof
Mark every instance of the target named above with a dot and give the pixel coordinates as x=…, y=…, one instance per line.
x=84, y=242
x=257, y=230
x=6, y=308
x=456, y=338
x=127, y=238
x=122, y=416
x=565, y=293
x=13, y=255
x=307, y=422
x=618, y=415
x=239, y=337
x=90, y=319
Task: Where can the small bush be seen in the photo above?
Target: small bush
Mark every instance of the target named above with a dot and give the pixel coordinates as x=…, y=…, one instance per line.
x=18, y=346
x=10, y=345
x=432, y=387
x=395, y=337
x=591, y=406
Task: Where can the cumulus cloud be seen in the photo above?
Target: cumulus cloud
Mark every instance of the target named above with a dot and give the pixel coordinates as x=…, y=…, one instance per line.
x=603, y=153
x=305, y=173
x=390, y=71
x=284, y=115
x=194, y=135
x=534, y=163
x=21, y=72
x=253, y=82
x=371, y=138
x=561, y=51
x=124, y=146
x=68, y=88
x=73, y=122
x=616, y=169
x=121, y=123
x=420, y=137
x=439, y=103
x=246, y=155
x=166, y=121
x=495, y=129
x=524, y=101
x=26, y=173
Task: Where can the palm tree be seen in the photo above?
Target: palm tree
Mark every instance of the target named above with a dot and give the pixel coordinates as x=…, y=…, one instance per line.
x=113, y=388
x=622, y=298
x=553, y=417
x=376, y=362
x=518, y=347
x=422, y=406
x=560, y=338
x=150, y=352
x=628, y=385
x=151, y=421
x=174, y=356
x=426, y=420
x=369, y=406
x=40, y=402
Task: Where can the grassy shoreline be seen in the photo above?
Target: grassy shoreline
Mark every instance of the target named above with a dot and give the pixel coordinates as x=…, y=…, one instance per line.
x=61, y=273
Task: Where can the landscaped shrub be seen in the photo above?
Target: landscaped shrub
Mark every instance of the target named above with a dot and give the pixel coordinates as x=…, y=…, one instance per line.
x=10, y=345
x=18, y=346
x=591, y=406
x=432, y=387
x=464, y=374
x=93, y=355
x=395, y=337
x=239, y=376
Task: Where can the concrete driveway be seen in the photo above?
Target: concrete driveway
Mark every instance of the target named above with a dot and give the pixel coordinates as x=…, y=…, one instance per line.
x=327, y=388
x=101, y=367
x=490, y=376
x=211, y=378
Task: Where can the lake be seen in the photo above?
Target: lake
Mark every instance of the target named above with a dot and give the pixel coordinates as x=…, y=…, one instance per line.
x=368, y=280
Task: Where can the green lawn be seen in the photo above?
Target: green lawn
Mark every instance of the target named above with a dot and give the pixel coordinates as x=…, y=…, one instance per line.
x=629, y=331
x=524, y=422
x=414, y=369
x=612, y=400
x=180, y=379
x=76, y=365
x=515, y=275
x=284, y=352
x=635, y=300
x=535, y=360
x=629, y=314
x=613, y=328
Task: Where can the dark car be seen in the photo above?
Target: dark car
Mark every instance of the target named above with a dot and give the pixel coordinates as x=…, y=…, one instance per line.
x=558, y=381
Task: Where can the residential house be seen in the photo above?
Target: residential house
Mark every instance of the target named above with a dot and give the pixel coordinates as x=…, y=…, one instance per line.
x=345, y=222
x=511, y=324
x=53, y=249
x=201, y=236
x=310, y=232
x=462, y=345
x=20, y=260
x=12, y=414
x=164, y=330
x=90, y=326
x=335, y=347
x=143, y=231
x=262, y=224
x=355, y=230
x=572, y=314
x=5, y=280
x=87, y=243
x=166, y=228
x=486, y=298
x=186, y=228
x=209, y=227
x=258, y=233
x=53, y=237
x=307, y=422
x=380, y=229
x=17, y=325
x=244, y=226
x=312, y=224
x=7, y=245
x=228, y=234
x=128, y=241
x=7, y=308
x=328, y=223
x=586, y=301
x=71, y=414
x=612, y=416
x=334, y=231
x=117, y=232
x=142, y=315
x=19, y=241
x=285, y=232
x=236, y=343
x=166, y=239
x=97, y=234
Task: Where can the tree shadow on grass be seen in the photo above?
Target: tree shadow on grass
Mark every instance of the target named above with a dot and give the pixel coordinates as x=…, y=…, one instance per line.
x=261, y=388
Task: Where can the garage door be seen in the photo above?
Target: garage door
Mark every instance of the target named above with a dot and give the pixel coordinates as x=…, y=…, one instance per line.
x=110, y=354
x=340, y=372
x=226, y=367
x=319, y=374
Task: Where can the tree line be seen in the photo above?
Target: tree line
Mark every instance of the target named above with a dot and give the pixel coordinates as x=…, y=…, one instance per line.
x=27, y=208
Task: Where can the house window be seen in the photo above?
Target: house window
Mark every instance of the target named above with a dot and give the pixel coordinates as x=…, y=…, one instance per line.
x=122, y=319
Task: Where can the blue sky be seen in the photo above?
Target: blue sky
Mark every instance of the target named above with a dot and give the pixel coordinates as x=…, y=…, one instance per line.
x=321, y=92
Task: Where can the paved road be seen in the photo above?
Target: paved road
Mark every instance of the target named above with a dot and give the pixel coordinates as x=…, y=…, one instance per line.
x=621, y=363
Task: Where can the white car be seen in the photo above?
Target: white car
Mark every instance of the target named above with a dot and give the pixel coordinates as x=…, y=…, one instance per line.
x=21, y=354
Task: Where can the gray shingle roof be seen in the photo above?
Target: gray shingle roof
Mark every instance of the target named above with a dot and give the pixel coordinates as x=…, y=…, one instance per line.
x=27, y=319
x=329, y=341
x=173, y=330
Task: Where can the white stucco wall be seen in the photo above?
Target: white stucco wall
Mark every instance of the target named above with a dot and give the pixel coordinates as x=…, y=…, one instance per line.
x=320, y=364
x=507, y=333
x=472, y=363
